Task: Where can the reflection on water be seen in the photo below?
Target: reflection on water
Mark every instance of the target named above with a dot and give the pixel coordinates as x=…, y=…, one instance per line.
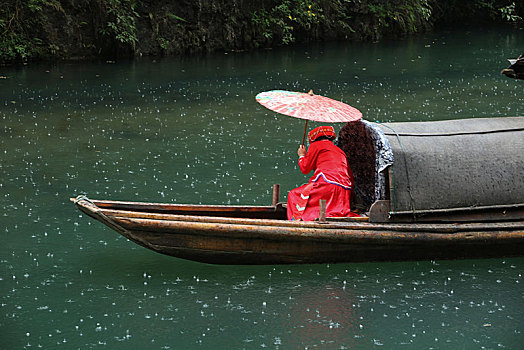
x=189, y=131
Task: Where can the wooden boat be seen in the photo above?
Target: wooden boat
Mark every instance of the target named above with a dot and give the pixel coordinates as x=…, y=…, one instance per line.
x=407, y=220
x=516, y=68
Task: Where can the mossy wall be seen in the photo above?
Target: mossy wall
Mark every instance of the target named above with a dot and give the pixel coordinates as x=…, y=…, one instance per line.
x=76, y=29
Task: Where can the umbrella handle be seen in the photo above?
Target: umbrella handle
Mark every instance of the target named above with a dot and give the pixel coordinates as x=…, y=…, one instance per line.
x=304, y=137
x=310, y=93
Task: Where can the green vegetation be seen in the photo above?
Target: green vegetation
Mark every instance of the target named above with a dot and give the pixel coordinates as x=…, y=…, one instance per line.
x=24, y=25
x=16, y=23
x=287, y=17
x=509, y=13
x=121, y=21
x=39, y=29
x=406, y=14
x=372, y=19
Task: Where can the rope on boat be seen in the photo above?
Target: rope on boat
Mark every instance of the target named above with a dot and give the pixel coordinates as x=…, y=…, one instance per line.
x=104, y=218
x=83, y=197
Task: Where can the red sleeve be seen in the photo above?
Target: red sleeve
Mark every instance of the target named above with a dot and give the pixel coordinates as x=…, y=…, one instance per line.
x=309, y=161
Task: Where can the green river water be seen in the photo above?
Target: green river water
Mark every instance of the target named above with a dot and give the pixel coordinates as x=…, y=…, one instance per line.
x=188, y=130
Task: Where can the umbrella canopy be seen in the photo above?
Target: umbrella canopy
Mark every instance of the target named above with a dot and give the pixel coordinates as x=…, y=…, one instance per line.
x=308, y=106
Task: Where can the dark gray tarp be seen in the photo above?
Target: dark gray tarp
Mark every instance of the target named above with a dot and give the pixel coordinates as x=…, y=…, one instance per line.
x=456, y=163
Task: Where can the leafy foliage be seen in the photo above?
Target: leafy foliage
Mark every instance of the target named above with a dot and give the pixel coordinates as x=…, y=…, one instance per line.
x=405, y=13
x=30, y=29
x=16, y=23
x=121, y=24
x=22, y=26
x=287, y=17
x=509, y=13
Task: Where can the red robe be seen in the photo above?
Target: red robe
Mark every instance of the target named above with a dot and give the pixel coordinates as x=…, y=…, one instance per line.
x=332, y=181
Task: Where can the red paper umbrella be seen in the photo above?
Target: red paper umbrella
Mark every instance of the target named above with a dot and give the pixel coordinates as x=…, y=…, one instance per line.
x=308, y=106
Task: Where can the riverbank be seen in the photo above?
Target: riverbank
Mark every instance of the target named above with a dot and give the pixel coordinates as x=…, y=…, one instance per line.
x=78, y=30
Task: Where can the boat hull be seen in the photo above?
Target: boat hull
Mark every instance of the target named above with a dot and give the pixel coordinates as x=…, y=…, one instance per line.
x=240, y=240
x=258, y=245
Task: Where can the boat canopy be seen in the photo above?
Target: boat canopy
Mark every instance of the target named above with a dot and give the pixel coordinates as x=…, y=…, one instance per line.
x=428, y=166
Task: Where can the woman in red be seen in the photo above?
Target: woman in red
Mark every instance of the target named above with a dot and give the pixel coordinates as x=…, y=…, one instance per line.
x=332, y=179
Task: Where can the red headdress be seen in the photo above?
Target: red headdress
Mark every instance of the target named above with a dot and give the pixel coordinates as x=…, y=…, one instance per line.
x=314, y=134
